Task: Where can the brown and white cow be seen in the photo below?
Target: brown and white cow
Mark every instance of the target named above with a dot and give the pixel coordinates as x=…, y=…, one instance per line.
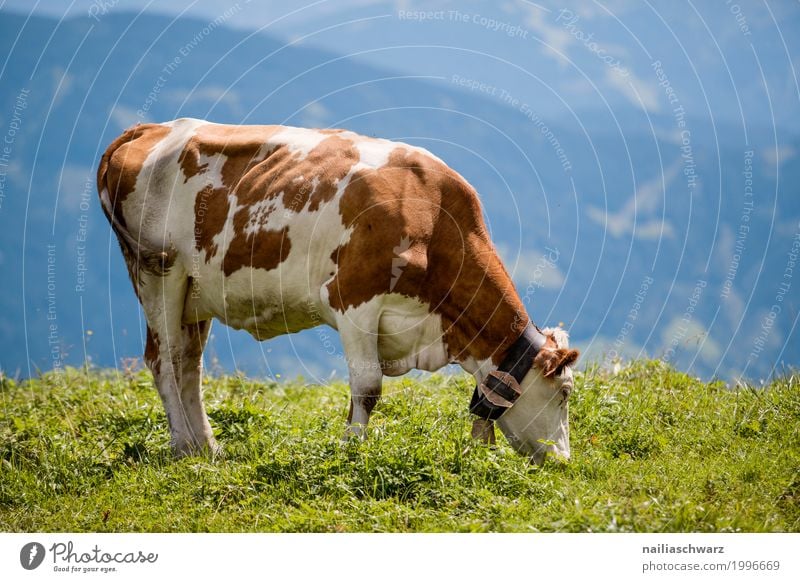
x=276, y=229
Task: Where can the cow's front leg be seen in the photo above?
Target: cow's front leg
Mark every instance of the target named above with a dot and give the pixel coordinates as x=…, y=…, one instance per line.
x=360, y=340
x=364, y=395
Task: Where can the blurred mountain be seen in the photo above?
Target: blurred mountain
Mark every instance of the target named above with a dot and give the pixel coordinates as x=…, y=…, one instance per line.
x=631, y=224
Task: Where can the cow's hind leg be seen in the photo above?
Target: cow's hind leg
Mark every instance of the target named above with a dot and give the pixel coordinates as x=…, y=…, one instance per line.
x=194, y=337
x=359, y=333
x=162, y=298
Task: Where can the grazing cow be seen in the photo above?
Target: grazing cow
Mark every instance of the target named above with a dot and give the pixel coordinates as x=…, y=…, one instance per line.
x=277, y=229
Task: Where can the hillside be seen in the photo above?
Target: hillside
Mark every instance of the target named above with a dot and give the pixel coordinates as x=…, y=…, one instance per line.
x=587, y=201
x=653, y=450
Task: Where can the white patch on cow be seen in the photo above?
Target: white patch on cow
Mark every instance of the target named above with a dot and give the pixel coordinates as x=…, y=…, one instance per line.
x=374, y=153
x=478, y=368
x=560, y=336
x=298, y=139
x=314, y=184
x=538, y=422
x=259, y=215
x=264, y=150
x=212, y=176
x=186, y=122
x=410, y=336
x=292, y=296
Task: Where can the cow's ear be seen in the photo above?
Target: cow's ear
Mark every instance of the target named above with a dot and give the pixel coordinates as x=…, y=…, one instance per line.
x=553, y=362
x=569, y=359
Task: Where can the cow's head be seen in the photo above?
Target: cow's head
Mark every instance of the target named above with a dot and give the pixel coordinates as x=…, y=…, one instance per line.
x=538, y=422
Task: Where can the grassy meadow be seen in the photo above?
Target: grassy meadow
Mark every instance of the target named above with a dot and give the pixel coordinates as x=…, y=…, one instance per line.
x=652, y=450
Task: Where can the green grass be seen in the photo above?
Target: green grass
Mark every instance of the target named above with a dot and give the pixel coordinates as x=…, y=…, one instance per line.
x=652, y=450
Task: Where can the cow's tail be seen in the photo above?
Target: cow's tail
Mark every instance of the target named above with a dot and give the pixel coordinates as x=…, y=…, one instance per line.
x=140, y=255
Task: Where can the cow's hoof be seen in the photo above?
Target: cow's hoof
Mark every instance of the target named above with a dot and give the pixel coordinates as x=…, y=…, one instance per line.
x=210, y=450
x=215, y=451
x=355, y=433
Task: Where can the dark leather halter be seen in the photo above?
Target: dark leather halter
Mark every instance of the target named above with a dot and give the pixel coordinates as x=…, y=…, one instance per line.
x=500, y=390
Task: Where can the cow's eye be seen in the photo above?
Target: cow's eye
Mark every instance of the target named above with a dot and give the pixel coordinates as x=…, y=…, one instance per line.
x=566, y=389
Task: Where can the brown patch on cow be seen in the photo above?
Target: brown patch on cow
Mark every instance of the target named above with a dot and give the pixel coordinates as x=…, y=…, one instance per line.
x=194, y=342
x=189, y=160
x=257, y=173
x=210, y=213
x=552, y=361
x=123, y=160
x=384, y=207
x=267, y=180
x=302, y=184
x=151, y=353
x=370, y=401
x=452, y=265
x=243, y=148
x=266, y=249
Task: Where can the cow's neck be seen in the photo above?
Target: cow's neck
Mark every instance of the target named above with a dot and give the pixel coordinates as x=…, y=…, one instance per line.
x=489, y=318
x=480, y=364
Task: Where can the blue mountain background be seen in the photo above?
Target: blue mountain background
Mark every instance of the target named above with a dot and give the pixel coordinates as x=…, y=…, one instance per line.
x=638, y=164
